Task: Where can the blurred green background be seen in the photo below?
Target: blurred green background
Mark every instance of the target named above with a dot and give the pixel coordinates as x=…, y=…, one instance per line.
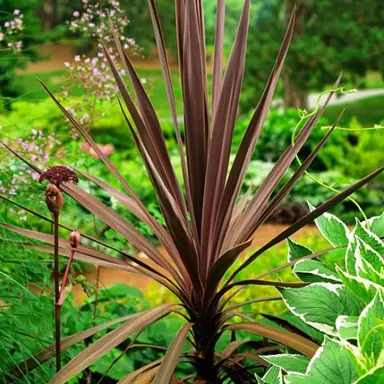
x=331, y=36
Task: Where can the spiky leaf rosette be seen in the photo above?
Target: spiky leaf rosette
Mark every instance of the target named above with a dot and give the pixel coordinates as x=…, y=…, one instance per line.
x=207, y=224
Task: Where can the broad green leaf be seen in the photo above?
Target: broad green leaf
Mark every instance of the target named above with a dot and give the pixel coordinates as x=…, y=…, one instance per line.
x=259, y=379
x=374, y=376
x=332, y=228
x=370, y=255
x=315, y=271
x=296, y=250
x=376, y=225
x=273, y=376
x=371, y=331
x=313, y=333
x=320, y=304
x=369, y=237
x=346, y=327
x=367, y=271
x=332, y=364
x=351, y=257
x=289, y=362
x=363, y=289
x=299, y=378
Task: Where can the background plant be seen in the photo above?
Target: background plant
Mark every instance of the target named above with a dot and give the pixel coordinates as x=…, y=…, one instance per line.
x=344, y=301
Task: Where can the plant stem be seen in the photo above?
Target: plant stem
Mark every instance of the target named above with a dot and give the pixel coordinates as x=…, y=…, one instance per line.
x=65, y=279
x=57, y=290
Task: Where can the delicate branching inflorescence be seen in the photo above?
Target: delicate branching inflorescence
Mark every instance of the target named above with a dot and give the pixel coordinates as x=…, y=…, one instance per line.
x=10, y=32
x=91, y=72
x=207, y=224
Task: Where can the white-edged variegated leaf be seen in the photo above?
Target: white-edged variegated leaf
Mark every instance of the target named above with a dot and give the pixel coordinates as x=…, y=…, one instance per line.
x=273, y=376
x=330, y=365
x=371, y=331
x=259, y=379
x=363, y=289
x=374, y=376
x=369, y=237
x=332, y=228
x=289, y=362
x=319, y=304
x=315, y=271
x=346, y=327
x=370, y=255
x=375, y=225
x=351, y=257
x=296, y=250
x=367, y=271
x=300, y=378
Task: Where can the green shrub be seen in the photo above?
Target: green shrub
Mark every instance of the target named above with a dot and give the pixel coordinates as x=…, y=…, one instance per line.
x=344, y=301
x=362, y=147
x=277, y=135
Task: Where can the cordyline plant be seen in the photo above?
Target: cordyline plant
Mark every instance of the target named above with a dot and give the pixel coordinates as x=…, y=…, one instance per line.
x=207, y=225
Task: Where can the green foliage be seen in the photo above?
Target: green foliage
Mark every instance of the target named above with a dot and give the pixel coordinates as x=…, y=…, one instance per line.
x=30, y=36
x=317, y=53
x=277, y=135
x=346, y=303
x=367, y=111
x=360, y=146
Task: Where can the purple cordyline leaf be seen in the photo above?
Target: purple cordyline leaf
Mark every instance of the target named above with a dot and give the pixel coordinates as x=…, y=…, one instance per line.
x=133, y=268
x=132, y=259
x=221, y=266
x=95, y=257
x=247, y=145
x=307, y=219
x=110, y=216
x=135, y=375
x=218, y=55
x=300, y=171
x=173, y=217
x=248, y=223
x=171, y=358
x=153, y=126
x=106, y=343
x=153, y=146
x=116, y=222
x=131, y=205
x=63, y=243
x=222, y=131
x=48, y=352
x=195, y=103
x=100, y=153
x=171, y=99
x=292, y=340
